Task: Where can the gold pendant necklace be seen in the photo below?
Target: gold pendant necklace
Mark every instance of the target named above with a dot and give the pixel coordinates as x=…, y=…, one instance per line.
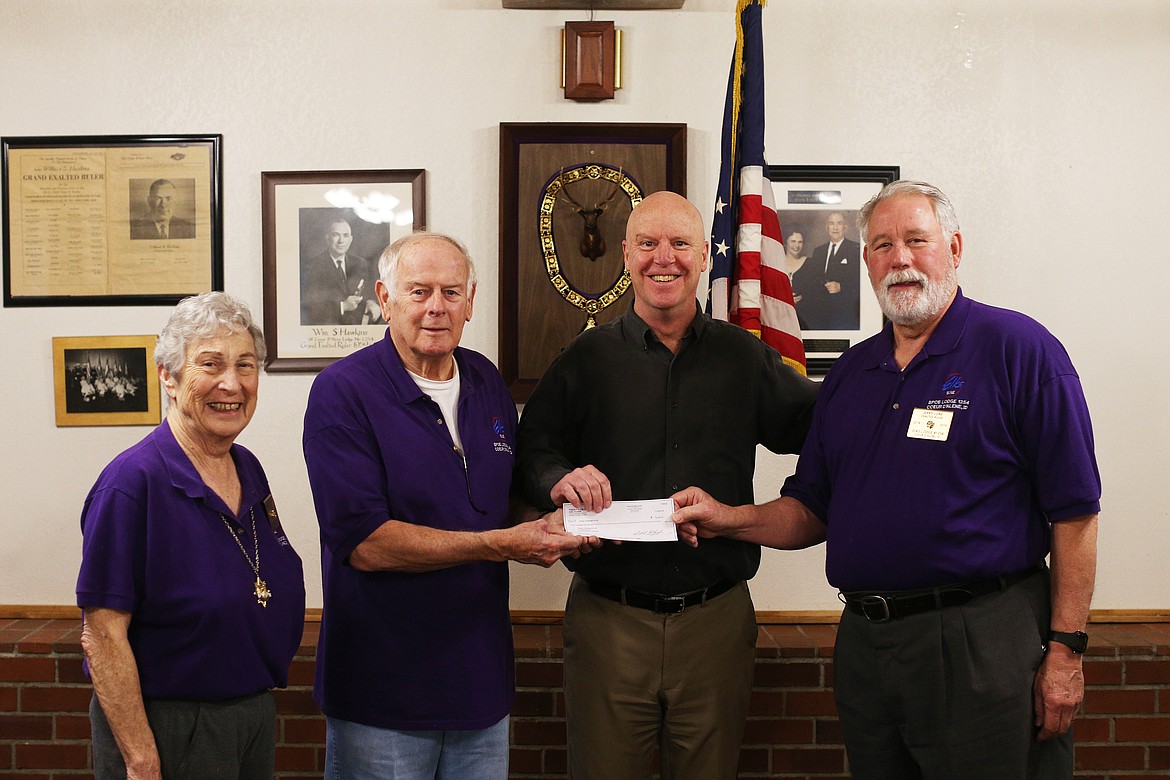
x=260, y=587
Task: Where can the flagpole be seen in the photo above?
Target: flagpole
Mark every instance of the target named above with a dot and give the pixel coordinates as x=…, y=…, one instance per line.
x=749, y=284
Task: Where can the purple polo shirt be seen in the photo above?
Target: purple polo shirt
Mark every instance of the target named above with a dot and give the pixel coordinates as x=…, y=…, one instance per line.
x=410, y=651
x=154, y=545
x=906, y=512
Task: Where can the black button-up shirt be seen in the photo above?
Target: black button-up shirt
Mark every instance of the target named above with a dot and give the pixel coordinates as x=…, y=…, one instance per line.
x=655, y=422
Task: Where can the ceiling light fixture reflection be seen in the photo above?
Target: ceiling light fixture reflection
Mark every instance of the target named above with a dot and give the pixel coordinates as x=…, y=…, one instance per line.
x=375, y=207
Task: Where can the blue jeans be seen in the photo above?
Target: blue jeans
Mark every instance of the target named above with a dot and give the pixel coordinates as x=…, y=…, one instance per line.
x=357, y=752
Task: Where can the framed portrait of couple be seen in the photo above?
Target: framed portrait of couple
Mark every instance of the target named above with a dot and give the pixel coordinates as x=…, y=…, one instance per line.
x=817, y=207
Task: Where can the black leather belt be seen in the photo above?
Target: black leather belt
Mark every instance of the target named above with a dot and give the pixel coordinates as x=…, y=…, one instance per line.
x=880, y=607
x=658, y=602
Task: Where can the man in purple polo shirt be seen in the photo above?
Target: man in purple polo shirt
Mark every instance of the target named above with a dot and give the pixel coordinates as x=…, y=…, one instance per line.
x=948, y=456
x=409, y=446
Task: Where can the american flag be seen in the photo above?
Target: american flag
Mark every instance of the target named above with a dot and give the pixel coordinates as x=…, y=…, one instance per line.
x=748, y=284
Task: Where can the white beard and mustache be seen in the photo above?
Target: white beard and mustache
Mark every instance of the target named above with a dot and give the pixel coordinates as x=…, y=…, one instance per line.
x=916, y=305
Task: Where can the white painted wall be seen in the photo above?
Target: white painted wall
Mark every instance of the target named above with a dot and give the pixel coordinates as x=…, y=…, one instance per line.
x=1045, y=120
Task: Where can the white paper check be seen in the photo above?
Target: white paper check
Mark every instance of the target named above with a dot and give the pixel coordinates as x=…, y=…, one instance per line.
x=630, y=521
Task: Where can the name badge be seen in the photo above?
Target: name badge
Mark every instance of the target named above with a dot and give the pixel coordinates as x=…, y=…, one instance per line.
x=932, y=424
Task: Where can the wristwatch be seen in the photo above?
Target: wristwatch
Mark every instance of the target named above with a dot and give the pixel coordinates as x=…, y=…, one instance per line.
x=1077, y=640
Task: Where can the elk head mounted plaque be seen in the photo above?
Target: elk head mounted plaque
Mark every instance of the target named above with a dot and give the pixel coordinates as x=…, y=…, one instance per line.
x=578, y=208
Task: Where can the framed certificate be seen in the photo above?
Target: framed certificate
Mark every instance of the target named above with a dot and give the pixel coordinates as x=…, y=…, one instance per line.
x=111, y=220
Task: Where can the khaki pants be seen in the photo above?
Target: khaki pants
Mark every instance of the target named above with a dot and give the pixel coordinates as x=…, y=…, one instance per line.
x=633, y=677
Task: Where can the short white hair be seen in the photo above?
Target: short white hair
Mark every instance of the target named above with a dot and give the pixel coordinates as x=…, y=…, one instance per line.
x=944, y=212
x=203, y=317
x=392, y=256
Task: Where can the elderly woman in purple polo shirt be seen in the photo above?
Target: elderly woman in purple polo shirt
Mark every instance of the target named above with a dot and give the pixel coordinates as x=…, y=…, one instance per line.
x=193, y=599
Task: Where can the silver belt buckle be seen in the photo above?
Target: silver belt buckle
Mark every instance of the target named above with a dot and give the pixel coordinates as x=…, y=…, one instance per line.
x=880, y=615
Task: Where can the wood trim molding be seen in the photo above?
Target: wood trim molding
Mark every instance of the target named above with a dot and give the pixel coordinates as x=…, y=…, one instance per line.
x=66, y=612
x=39, y=612
x=545, y=617
x=592, y=5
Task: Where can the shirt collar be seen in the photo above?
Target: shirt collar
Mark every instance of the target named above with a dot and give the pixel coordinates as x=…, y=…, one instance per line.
x=185, y=478
x=641, y=334
x=404, y=386
x=945, y=338
x=179, y=466
x=950, y=328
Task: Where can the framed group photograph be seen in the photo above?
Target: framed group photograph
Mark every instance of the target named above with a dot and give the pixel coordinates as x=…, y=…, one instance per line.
x=113, y=220
x=323, y=234
x=105, y=380
x=566, y=191
x=817, y=207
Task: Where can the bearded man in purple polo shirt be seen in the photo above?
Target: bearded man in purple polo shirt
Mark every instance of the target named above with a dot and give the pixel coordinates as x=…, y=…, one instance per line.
x=409, y=446
x=948, y=456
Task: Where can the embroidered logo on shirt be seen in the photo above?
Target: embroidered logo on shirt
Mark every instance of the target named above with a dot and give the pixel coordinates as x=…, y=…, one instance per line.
x=499, y=429
x=953, y=384
x=950, y=389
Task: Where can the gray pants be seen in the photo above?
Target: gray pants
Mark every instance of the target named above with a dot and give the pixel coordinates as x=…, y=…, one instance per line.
x=234, y=739
x=947, y=694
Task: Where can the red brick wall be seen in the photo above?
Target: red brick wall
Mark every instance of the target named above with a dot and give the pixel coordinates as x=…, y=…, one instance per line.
x=792, y=730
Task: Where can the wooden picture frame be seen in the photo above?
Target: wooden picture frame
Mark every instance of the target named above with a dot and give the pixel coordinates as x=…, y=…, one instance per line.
x=807, y=197
x=114, y=220
x=308, y=322
x=105, y=380
x=566, y=191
